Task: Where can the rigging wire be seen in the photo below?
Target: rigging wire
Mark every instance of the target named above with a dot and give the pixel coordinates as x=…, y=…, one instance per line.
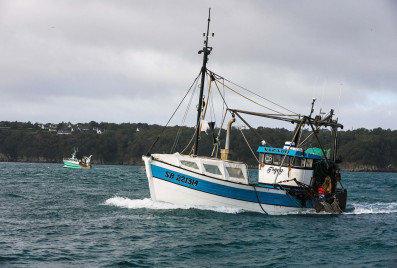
x=208, y=96
x=221, y=77
x=245, y=122
x=300, y=145
x=249, y=145
x=178, y=135
x=223, y=98
x=224, y=94
x=252, y=100
x=212, y=109
x=251, y=128
x=340, y=93
x=162, y=131
x=204, y=112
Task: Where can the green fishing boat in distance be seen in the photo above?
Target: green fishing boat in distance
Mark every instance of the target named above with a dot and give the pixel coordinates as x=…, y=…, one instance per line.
x=74, y=162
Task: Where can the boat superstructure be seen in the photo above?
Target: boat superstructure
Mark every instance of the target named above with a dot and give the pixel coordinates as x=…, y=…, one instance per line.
x=291, y=178
x=74, y=162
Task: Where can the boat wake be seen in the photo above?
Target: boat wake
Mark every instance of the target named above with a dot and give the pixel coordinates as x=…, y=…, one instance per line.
x=373, y=208
x=148, y=203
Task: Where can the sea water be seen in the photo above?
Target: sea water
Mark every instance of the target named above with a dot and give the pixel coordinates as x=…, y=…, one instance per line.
x=103, y=217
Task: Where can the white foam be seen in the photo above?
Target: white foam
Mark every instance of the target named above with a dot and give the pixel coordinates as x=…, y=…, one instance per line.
x=156, y=205
x=375, y=208
x=359, y=208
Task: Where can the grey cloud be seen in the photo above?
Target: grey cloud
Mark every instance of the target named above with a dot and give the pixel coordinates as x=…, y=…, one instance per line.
x=146, y=52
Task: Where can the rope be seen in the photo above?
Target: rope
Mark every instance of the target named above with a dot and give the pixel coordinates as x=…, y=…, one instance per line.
x=257, y=197
x=290, y=196
x=287, y=180
x=219, y=133
x=194, y=134
x=224, y=102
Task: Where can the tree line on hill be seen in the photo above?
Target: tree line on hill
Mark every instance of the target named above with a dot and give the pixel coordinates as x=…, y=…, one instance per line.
x=361, y=149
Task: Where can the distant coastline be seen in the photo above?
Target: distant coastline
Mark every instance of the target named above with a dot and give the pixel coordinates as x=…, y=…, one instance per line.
x=366, y=150
x=138, y=162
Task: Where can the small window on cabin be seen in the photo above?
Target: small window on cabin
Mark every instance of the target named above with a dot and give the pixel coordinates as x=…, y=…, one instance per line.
x=189, y=164
x=212, y=169
x=286, y=161
x=303, y=162
x=235, y=172
x=297, y=162
x=268, y=159
x=309, y=163
x=261, y=156
x=276, y=159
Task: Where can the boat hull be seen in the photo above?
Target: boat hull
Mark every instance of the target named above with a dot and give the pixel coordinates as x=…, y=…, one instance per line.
x=172, y=184
x=73, y=164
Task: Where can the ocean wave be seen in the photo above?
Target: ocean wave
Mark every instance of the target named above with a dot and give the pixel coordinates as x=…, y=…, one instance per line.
x=148, y=203
x=375, y=208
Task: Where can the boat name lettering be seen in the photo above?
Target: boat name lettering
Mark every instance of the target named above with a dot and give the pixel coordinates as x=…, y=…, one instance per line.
x=275, y=170
x=181, y=178
x=275, y=150
x=169, y=175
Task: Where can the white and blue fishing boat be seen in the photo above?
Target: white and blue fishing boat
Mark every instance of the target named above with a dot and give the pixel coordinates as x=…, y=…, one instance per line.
x=290, y=178
x=74, y=162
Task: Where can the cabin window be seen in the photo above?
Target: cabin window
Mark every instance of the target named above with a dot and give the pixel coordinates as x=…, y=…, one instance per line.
x=261, y=156
x=235, y=172
x=309, y=163
x=268, y=159
x=276, y=159
x=303, y=162
x=212, y=169
x=189, y=164
x=286, y=161
x=297, y=162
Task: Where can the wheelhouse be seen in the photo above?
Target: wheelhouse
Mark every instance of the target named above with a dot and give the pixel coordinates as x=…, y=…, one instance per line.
x=287, y=166
x=294, y=157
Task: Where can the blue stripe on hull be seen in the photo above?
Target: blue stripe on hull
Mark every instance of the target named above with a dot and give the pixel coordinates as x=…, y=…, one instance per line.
x=226, y=191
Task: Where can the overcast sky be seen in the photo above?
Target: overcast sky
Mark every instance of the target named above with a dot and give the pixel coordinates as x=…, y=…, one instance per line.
x=132, y=61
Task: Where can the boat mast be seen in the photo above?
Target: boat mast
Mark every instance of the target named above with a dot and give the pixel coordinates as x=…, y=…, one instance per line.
x=206, y=51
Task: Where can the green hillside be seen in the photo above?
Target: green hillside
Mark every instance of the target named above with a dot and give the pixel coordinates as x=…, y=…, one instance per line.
x=360, y=149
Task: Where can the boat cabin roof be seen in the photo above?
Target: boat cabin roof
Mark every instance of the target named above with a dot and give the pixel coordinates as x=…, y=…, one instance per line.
x=214, y=167
x=291, y=152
